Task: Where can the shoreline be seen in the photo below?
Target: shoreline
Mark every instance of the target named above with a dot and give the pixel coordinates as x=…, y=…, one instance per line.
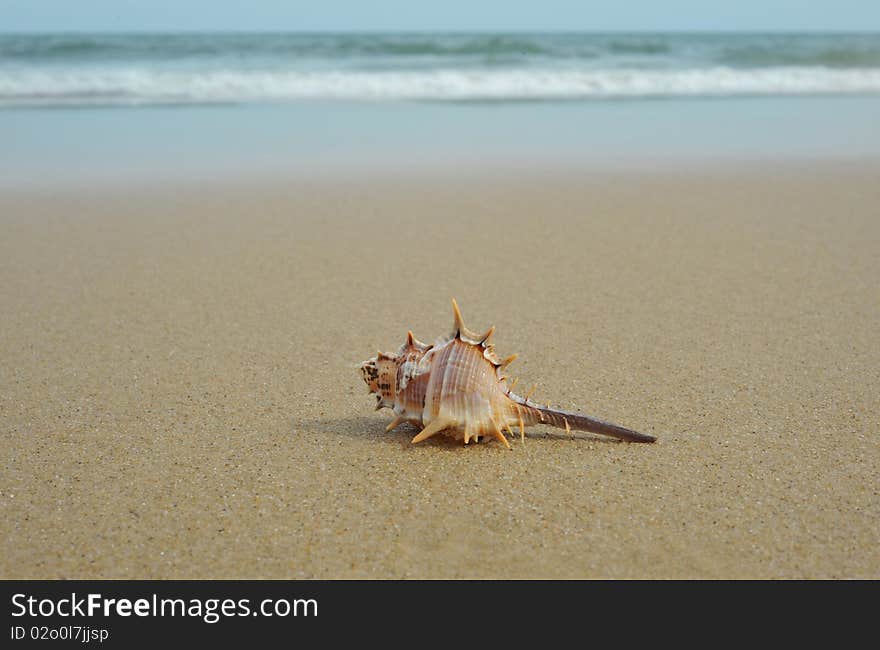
x=206, y=145
x=393, y=175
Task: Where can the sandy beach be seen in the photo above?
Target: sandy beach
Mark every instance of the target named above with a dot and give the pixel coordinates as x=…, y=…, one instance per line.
x=179, y=394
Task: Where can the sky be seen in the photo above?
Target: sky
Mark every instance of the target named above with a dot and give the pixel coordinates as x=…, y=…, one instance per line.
x=451, y=15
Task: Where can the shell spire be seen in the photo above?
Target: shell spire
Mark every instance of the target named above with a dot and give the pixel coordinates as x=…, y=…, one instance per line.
x=456, y=387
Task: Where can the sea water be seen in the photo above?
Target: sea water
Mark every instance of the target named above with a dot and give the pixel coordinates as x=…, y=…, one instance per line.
x=147, y=105
x=129, y=69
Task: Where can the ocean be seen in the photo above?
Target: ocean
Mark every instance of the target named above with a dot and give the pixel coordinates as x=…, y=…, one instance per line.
x=169, y=69
x=128, y=108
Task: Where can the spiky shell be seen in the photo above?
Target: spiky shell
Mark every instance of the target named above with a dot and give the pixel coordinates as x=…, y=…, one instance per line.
x=457, y=387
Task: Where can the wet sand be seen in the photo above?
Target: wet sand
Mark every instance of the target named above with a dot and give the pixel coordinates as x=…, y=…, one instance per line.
x=179, y=395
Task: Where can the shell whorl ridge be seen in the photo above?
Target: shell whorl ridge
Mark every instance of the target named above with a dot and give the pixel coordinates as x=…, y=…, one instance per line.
x=457, y=387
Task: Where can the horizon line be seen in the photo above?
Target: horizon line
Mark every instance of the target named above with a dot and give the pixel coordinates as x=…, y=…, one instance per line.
x=792, y=31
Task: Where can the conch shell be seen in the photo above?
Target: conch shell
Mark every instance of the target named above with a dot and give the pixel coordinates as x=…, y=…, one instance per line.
x=457, y=387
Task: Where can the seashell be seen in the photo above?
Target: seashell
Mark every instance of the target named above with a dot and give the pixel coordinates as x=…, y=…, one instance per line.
x=457, y=387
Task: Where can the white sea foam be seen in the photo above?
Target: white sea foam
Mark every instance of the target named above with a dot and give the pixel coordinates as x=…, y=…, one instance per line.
x=48, y=86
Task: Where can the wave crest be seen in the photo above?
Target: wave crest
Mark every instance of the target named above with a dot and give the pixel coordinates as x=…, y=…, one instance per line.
x=130, y=86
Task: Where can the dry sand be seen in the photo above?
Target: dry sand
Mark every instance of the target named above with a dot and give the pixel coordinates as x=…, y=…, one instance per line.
x=179, y=398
